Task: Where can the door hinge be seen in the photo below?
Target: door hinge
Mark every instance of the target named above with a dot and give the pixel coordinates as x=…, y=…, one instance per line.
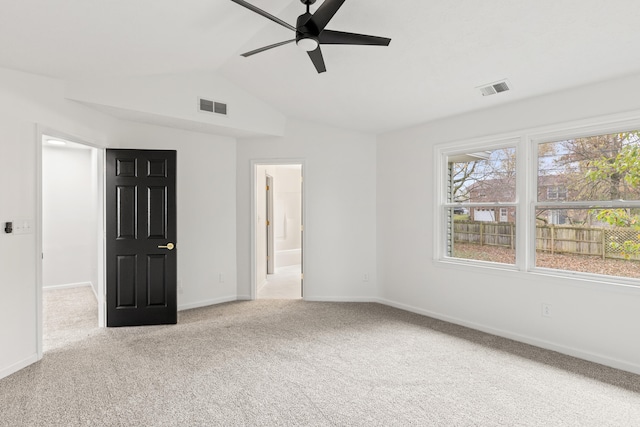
x=267, y=188
x=302, y=228
x=268, y=223
x=302, y=277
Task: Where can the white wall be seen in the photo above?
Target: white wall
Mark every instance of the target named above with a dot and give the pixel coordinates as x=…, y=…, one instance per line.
x=69, y=221
x=590, y=320
x=172, y=99
x=27, y=100
x=339, y=208
x=206, y=210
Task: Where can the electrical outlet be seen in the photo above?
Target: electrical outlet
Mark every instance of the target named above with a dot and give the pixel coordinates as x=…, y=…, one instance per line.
x=365, y=277
x=546, y=310
x=221, y=278
x=180, y=288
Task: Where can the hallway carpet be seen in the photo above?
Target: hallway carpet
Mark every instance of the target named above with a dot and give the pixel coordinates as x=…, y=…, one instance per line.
x=285, y=284
x=297, y=363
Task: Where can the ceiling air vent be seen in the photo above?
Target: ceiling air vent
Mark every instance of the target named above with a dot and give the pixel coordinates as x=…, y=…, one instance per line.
x=493, y=88
x=212, y=106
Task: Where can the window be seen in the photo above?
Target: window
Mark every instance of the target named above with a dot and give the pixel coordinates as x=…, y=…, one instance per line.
x=575, y=207
x=482, y=183
x=590, y=220
x=557, y=192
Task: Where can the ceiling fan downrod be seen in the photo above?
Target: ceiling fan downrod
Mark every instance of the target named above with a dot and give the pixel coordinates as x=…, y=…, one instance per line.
x=308, y=3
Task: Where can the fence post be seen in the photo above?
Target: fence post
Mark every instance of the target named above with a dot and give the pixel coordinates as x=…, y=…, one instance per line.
x=481, y=233
x=511, y=231
x=604, y=244
x=553, y=243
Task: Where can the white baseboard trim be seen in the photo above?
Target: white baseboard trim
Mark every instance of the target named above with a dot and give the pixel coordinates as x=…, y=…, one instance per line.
x=560, y=348
x=339, y=299
x=17, y=366
x=66, y=286
x=243, y=297
x=206, y=303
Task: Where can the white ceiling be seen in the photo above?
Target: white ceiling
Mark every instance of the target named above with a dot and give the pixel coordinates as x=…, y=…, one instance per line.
x=439, y=53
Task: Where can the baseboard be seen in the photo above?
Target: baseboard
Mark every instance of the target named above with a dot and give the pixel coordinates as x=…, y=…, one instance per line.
x=66, y=286
x=243, y=297
x=339, y=299
x=17, y=366
x=206, y=303
x=560, y=348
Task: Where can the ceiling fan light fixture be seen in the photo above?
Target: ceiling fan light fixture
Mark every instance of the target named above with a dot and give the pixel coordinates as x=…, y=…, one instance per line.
x=307, y=43
x=58, y=142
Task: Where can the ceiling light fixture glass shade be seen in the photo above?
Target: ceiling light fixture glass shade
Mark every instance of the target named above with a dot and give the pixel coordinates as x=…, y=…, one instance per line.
x=56, y=142
x=308, y=44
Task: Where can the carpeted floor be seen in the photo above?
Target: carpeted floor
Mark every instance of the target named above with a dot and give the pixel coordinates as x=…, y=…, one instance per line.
x=289, y=363
x=285, y=284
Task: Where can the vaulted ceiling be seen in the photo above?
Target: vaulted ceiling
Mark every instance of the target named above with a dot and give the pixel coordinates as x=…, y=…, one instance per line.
x=440, y=52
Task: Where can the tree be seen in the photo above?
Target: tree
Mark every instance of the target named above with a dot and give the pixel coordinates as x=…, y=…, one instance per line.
x=624, y=167
x=622, y=175
x=604, y=160
x=489, y=169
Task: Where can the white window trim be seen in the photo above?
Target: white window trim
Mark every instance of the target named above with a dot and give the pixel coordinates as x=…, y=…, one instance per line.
x=526, y=144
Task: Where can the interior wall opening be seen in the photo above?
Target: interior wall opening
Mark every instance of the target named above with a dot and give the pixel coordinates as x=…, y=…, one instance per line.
x=279, y=231
x=71, y=267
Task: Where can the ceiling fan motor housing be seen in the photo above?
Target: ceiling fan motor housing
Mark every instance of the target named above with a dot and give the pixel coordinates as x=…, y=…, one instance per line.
x=306, y=31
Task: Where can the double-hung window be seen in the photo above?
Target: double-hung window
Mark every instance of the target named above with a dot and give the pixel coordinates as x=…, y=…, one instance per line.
x=587, y=211
x=479, y=210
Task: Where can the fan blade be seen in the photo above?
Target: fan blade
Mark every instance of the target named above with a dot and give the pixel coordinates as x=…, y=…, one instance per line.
x=263, y=13
x=271, y=46
x=325, y=12
x=339, y=37
x=317, y=59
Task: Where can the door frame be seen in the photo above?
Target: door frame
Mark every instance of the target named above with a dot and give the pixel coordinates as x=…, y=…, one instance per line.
x=270, y=226
x=258, y=186
x=100, y=217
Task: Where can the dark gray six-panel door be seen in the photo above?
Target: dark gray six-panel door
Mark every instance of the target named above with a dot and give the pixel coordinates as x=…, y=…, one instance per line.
x=140, y=237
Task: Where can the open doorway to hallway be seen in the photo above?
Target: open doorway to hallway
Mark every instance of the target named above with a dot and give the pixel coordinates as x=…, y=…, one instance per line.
x=279, y=231
x=70, y=239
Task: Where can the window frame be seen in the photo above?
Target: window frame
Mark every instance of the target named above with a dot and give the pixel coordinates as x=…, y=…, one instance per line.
x=526, y=143
x=443, y=153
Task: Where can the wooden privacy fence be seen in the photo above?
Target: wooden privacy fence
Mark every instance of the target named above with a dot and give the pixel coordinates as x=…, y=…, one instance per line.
x=581, y=240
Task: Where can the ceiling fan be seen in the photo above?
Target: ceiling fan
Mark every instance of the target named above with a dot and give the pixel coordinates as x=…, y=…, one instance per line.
x=311, y=33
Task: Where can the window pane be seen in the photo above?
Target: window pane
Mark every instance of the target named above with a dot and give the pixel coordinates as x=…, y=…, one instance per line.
x=600, y=241
x=491, y=239
x=603, y=167
x=483, y=177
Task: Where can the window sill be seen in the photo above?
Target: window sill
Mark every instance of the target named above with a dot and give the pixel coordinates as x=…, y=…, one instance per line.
x=593, y=281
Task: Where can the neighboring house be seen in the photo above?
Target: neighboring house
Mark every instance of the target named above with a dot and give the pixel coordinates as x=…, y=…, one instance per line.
x=553, y=188
x=550, y=187
x=492, y=190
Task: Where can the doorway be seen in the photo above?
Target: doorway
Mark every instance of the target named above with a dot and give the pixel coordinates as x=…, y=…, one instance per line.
x=278, y=230
x=70, y=251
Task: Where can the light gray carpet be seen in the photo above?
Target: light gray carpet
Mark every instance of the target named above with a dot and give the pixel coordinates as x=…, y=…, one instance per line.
x=276, y=362
x=285, y=284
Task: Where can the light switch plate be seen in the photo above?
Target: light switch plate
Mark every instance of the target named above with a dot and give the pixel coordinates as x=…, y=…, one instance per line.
x=23, y=226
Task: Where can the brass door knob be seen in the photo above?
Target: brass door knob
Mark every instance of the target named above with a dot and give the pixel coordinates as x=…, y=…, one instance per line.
x=169, y=246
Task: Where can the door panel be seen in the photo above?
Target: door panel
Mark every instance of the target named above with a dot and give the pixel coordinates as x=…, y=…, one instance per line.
x=141, y=230
x=156, y=214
